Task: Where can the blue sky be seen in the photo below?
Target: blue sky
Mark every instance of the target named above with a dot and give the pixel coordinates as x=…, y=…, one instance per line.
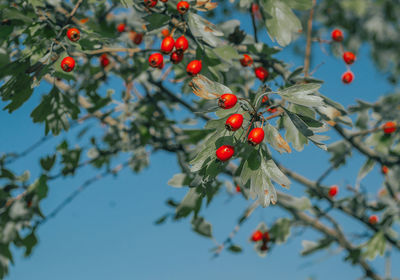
x=108, y=231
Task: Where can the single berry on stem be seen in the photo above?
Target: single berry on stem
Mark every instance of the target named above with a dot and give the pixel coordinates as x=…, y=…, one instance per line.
x=337, y=35
x=227, y=101
x=165, y=32
x=256, y=136
x=389, y=127
x=265, y=99
x=150, y=3
x=333, y=190
x=167, y=44
x=234, y=122
x=176, y=57
x=73, y=34
x=194, y=67
x=246, y=60
x=225, y=152
x=68, y=64
x=238, y=190
x=349, y=57
x=182, y=7
x=373, y=219
x=384, y=169
x=138, y=38
x=257, y=236
x=347, y=77
x=261, y=73
x=104, y=60
x=181, y=44
x=121, y=27
x=156, y=60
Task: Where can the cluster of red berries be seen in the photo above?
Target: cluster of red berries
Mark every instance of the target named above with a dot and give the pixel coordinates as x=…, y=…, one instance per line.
x=260, y=72
x=168, y=44
x=68, y=63
x=258, y=236
x=182, y=6
x=233, y=123
x=348, y=57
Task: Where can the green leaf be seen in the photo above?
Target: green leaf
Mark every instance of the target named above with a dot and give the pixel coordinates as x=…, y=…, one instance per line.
x=310, y=247
x=303, y=95
x=299, y=4
x=202, y=227
x=156, y=20
x=40, y=187
x=280, y=231
x=203, y=29
x=282, y=24
x=365, y=169
x=299, y=123
x=179, y=180
x=235, y=249
x=48, y=162
x=376, y=245
x=227, y=53
x=339, y=150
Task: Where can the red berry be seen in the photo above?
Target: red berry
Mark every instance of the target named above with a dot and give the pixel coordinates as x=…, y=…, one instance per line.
x=347, y=77
x=150, y=3
x=254, y=8
x=257, y=236
x=246, y=60
x=194, y=67
x=385, y=169
x=266, y=236
x=337, y=35
x=389, y=127
x=272, y=110
x=138, y=38
x=256, y=136
x=261, y=73
x=373, y=219
x=176, y=57
x=333, y=190
x=349, y=57
x=181, y=44
x=167, y=44
x=234, y=122
x=104, y=61
x=156, y=60
x=182, y=7
x=164, y=1
x=238, y=190
x=121, y=27
x=73, y=34
x=165, y=32
x=265, y=99
x=227, y=101
x=225, y=152
x=68, y=64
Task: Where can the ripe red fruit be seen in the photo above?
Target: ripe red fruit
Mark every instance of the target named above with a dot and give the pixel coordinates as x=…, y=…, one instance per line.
x=373, y=219
x=261, y=73
x=194, y=67
x=389, y=127
x=349, y=57
x=333, y=190
x=272, y=110
x=156, y=60
x=104, y=61
x=347, y=77
x=337, y=35
x=256, y=136
x=227, y=101
x=238, y=190
x=73, y=34
x=384, y=169
x=121, y=27
x=257, y=236
x=265, y=99
x=150, y=3
x=68, y=64
x=164, y=1
x=167, y=44
x=234, y=122
x=182, y=7
x=246, y=60
x=181, y=44
x=176, y=57
x=225, y=152
x=165, y=32
x=266, y=236
x=138, y=38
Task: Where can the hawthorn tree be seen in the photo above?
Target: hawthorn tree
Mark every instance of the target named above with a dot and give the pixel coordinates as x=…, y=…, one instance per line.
x=243, y=107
